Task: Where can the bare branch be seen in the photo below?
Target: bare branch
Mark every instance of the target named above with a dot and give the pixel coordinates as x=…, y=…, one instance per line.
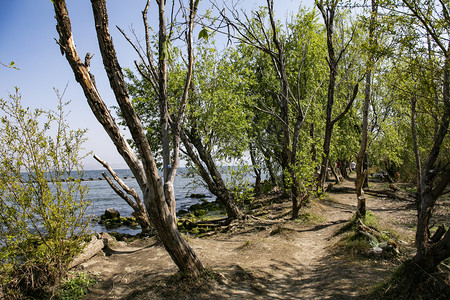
x=122, y=184
x=151, y=71
x=349, y=104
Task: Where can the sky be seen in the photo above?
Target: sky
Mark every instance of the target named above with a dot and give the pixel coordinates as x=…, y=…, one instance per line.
x=27, y=37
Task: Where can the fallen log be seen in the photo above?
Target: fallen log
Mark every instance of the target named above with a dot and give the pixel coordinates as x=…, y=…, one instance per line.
x=96, y=245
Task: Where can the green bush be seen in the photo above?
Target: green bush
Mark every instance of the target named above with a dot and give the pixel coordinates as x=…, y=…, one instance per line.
x=42, y=213
x=239, y=184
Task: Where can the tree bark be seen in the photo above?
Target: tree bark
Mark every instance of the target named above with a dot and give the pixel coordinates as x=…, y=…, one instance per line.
x=344, y=168
x=92, y=248
x=335, y=174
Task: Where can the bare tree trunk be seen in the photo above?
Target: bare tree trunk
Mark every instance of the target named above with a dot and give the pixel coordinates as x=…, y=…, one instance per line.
x=416, y=145
x=366, y=167
x=256, y=170
x=146, y=173
x=343, y=168
x=313, y=144
x=269, y=164
x=335, y=174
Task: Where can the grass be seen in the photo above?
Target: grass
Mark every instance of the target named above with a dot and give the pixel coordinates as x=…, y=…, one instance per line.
x=310, y=219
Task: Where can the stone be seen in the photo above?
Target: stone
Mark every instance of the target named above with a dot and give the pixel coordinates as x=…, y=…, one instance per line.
x=111, y=213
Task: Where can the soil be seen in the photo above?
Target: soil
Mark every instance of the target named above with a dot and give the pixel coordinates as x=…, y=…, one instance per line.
x=268, y=256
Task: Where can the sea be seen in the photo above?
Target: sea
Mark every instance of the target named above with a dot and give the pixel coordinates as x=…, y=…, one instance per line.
x=102, y=196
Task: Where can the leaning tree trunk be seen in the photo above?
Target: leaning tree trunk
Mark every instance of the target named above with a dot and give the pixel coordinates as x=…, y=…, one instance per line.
x=256, y=170
x=431, y=249
x=146, y=173
x=335, y=173
x=210, y=175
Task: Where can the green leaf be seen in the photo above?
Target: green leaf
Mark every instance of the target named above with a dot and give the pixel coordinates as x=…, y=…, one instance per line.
x=203, y=34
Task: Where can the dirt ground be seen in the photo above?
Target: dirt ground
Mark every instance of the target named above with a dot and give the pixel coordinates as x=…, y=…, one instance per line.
x=271, y=257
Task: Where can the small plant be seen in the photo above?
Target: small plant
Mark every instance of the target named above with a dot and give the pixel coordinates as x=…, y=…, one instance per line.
x=371, y=220
x=245, y=246
x=75, y=287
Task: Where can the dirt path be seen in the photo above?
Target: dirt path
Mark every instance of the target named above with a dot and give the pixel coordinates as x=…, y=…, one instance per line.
x=271, y=258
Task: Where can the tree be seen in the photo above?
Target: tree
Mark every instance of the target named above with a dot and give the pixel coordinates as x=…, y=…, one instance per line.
x=292, y=89
x=328, y=10
x=124, y=191
x=215, y=125
x=420, y=82
x=157, y=192
x=435, y=173
x=43, y=206
x=361, y=173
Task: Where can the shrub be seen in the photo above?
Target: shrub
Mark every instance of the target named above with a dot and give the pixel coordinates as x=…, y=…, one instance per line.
x=42, y=201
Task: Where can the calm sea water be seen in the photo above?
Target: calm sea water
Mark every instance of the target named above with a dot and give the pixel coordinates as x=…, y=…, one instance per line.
x=102, y=196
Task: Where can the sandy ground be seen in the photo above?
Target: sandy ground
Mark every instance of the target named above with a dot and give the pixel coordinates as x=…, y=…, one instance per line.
x=269, y=258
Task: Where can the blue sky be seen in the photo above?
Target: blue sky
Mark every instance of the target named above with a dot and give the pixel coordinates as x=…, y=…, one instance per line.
x=27, y=33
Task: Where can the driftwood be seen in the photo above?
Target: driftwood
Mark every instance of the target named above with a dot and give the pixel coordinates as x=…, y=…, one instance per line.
x=372, y=234
x=97, y=243
x=364, y=227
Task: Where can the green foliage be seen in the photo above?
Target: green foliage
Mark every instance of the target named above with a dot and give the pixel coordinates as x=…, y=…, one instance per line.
x=302, y=175
x=412, y=69
x=75, y=287
x=42, y=200
x=218, y=106
x=238, y=182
